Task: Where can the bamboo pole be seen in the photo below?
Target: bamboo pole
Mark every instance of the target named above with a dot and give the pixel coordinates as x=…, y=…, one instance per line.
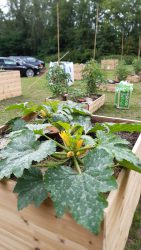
x=122, y=45
x=139, y=50
x=58, y=31
x=96, y=29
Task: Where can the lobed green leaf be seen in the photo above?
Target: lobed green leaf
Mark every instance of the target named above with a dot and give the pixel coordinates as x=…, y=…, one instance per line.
x=80, y=194
x=21, y=151
x=30, y=188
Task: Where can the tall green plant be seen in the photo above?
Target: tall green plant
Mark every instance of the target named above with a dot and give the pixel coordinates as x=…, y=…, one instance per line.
x=137, y=65
x=121, y=72
x=58, y=80
x=93, y=76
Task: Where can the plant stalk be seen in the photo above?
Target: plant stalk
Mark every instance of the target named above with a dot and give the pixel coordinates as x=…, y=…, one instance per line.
x=57, y=143
x=85, y=148
x=77, y=165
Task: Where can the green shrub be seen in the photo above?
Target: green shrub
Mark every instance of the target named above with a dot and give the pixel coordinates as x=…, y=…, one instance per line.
x=137, y=66
x=122, y=72
x=76, y=93
x=93, y=76
x=58, y=81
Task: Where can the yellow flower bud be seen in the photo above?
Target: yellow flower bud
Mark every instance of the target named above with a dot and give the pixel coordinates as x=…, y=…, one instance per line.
x=65, y=137
x=79, y=144
x=70, y=154
x=43, y=113
x=78, y=153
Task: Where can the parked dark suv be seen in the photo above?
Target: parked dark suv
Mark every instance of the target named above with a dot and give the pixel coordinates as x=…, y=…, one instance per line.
x=29, y=60
x=25, y=69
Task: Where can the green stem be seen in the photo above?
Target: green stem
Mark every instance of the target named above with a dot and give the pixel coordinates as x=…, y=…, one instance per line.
x=57, y=156
x=40, y=165
x=77, y=165
x=60, y=153
x=79, y=160
x=85, y=148
x=57, y=143
x=51, y=164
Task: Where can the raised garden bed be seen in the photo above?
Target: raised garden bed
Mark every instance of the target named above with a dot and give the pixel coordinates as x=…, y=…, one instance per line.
x=134, y=78
x=39, y=228
x=108, y=87
x=92, y=104
x=109, y=64
x=78, y=68
x=10, y=84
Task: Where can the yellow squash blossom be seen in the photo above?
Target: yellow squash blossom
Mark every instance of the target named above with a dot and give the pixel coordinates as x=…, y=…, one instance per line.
x=79, y=144
x=65, y=137
x=43, y=113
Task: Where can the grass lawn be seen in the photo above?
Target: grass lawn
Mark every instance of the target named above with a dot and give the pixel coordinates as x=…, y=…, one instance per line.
x=36, y=90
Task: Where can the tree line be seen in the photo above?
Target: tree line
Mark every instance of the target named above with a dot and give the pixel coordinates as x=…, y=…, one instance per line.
x=29, y=27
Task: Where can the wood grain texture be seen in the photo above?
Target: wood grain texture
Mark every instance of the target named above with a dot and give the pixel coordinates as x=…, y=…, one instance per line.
x=122, y=205
x=99, y=118
x=109, y=64
x=95, y=105
x=108, y=87
x=10, y=84
x=78, y=68
x=134, y=78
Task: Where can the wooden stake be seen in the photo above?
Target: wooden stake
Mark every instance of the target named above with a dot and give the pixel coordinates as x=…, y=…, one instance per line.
x=122, y=45
x=96, y=28
x=139, y=50
x=58, y=31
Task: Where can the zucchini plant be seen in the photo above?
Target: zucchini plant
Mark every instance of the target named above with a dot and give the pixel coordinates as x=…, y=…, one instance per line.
x=74, y=169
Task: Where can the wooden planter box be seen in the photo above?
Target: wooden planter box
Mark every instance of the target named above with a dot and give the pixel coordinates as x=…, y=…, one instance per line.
x=10, y=84
x=134, y=78
x=93, y=106
x=39, y=229
x=109, y=64
x=108, y=87
x=78, y=68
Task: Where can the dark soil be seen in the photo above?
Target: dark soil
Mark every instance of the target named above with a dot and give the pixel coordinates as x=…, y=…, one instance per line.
x=88, y=99
x=131, y=137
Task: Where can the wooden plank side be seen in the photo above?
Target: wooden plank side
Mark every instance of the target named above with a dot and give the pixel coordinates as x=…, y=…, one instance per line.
x=109, y=64
x=95, y=105
x=10, y=84
x=78, y=68
x=122, y=205
x=41, y=224
x=98, y=118
x=108, y=87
